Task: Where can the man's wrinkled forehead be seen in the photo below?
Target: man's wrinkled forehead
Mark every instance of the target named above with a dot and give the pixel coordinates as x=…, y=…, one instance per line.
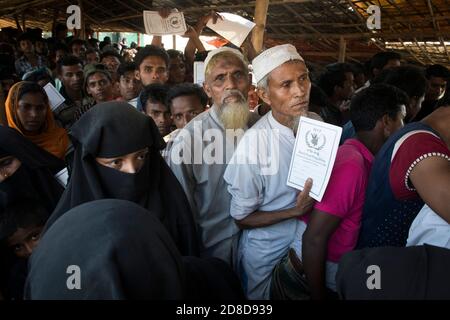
x=224, y=62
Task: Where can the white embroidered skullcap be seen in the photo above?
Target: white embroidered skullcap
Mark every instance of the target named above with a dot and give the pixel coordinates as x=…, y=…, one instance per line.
x=214, y=52
x=272, y=58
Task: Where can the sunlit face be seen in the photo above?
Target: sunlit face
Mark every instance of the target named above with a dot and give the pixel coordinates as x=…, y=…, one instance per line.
x=112, y=63
x=227, y=75
x=8, y=166
x=184, y=109
x=288, y=91
x=129, y=163
x=72, y=77
x=24, y=240
x=152, y=69
x=32, y=112
x=99, y=86
x=92, y=57
x=79, y=50
x=161, y=115
x=129, y=86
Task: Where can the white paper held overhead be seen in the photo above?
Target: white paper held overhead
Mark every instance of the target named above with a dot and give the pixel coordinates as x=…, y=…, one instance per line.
x=157, y=26
x=232, y=27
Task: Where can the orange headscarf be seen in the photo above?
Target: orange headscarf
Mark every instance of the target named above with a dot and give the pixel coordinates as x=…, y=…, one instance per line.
x=52, y=139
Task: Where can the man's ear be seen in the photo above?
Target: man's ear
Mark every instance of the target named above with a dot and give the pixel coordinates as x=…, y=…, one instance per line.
x=137, y=75
x=207, y=89
x=264, y=96
x=387, y=125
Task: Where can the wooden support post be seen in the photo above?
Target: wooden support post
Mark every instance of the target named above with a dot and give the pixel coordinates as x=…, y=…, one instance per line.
x=24, y=26
x=82, y=32
x=261, y=8
x=174, y=42
x=19, y=27
x=342, y=49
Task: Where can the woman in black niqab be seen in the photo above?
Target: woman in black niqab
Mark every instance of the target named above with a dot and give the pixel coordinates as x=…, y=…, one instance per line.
x=114, y=129
x=35, y=176
x=115, y=249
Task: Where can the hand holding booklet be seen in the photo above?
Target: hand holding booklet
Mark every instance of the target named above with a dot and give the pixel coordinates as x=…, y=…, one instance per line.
x=158, y=26
x=232, y=27
x=315, y=150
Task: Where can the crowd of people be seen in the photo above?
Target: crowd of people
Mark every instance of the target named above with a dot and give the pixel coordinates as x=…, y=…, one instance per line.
x=178, y=191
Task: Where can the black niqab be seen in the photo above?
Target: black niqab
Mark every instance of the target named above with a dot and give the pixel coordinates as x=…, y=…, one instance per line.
x=113, y=129
x=35, y=177
x=121, y=250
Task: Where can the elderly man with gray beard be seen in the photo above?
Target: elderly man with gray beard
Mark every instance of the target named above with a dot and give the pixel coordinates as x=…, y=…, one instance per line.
x=262, y=204
x=201, y=151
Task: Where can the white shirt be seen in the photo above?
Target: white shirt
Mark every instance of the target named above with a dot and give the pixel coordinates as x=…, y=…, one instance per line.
x=428, y=227
x=258, y=186
x=203, y=182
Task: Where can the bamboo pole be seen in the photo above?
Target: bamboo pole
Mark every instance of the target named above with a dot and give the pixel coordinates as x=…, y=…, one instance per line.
x=261, y=8
x=342, y=49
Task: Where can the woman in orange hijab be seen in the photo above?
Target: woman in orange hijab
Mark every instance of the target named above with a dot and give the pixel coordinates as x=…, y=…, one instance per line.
x=28, y=111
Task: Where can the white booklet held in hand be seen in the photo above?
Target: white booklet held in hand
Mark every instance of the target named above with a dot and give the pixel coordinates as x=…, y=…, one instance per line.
x=54, y=97
x=315, y=149
x=157, y=26
x=232, y=27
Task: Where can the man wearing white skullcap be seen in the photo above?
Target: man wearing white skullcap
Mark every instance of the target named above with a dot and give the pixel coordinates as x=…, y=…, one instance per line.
x=262, y=204
x=209, y=148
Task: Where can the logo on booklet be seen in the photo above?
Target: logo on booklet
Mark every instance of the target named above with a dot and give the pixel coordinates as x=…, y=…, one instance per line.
x=315, y=140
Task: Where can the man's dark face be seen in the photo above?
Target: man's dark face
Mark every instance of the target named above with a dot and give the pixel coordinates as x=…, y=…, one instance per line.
x=72, y=77
x=99, y=86
x=436, y=89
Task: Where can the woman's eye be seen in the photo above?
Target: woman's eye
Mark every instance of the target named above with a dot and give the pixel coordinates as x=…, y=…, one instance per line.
x=35, y=237
x=142, y=156
x=116, y=163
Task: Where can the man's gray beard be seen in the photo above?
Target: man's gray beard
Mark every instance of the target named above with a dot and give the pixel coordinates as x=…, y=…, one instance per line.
x=235, y=115
x=294, y=124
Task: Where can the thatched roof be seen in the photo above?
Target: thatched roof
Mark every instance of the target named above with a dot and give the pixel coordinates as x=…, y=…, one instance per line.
x=420, y=29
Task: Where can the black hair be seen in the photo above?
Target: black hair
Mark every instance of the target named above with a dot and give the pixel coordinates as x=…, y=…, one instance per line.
x=125, y=68
x=186, y=89
x=91, y=50
x=358, y=68
x=317, y=99
x=31, y=87
x=60, y=46
x=38, y=75
x=23, y=213
x=60, y=27
x=25, y=36
x=381, y=59
x=111, y=53
x=148, y=51
x=154, y=93
x=77, y=41
x=372, y=103
x=68, y=60
x=175, y=53
x=437, y=70
x=334, y=75
x=408, y=78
